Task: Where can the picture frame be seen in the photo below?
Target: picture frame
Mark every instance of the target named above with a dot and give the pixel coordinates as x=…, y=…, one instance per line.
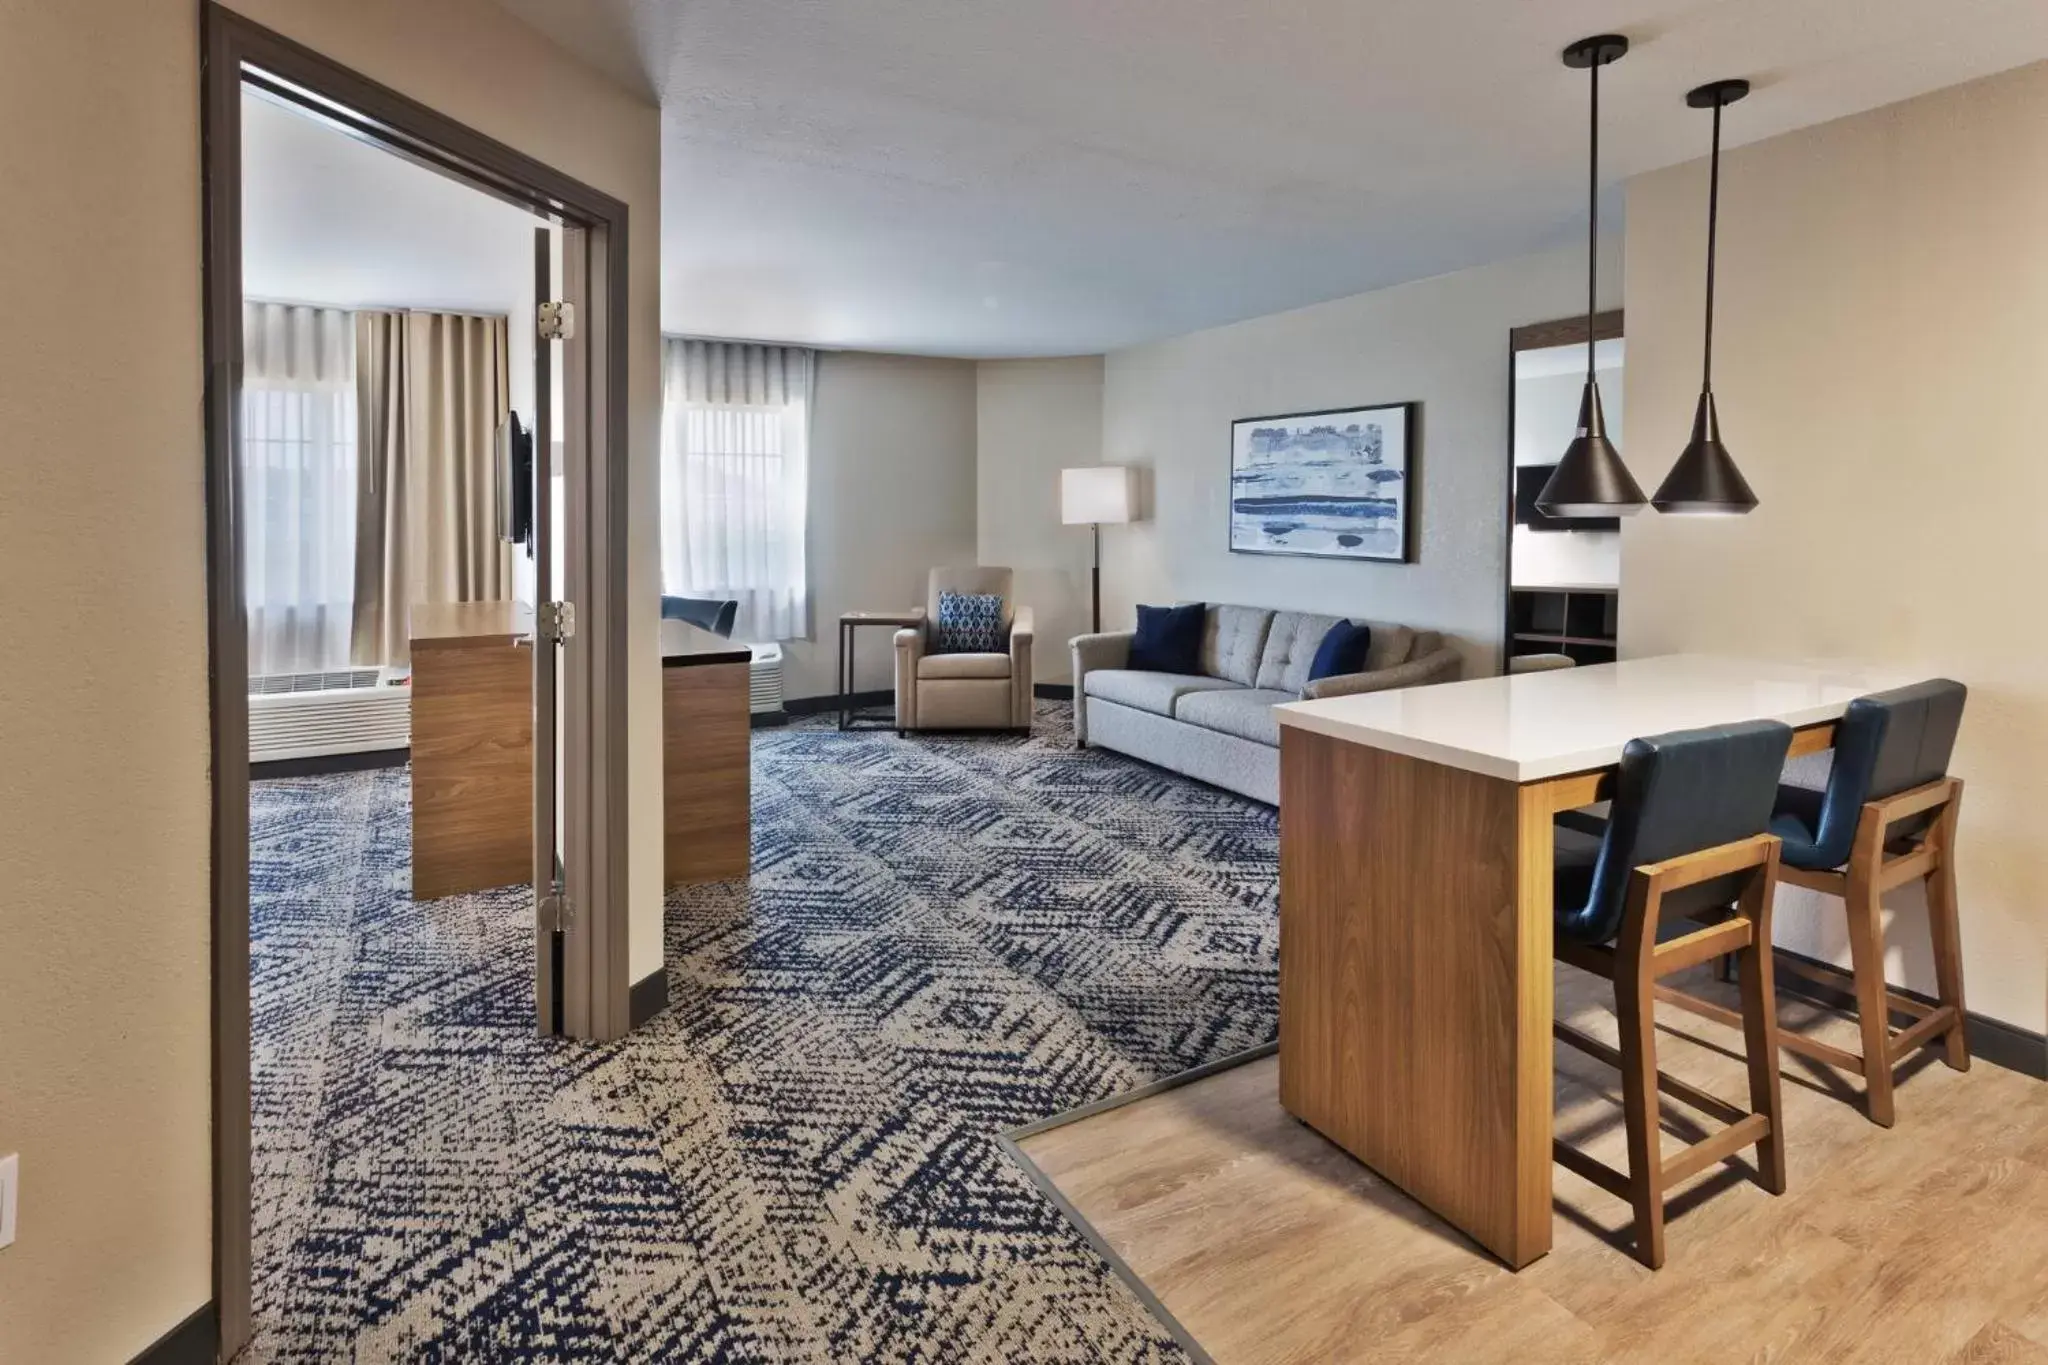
x=1337, y=483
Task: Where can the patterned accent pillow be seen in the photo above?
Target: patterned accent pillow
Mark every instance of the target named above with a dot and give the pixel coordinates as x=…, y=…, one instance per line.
x=969, y=623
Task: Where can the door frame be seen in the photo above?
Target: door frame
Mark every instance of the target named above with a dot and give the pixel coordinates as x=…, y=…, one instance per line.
x=234, y=49
x=1536, y=336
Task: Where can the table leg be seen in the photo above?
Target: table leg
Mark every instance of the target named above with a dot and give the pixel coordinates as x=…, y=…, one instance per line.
x=1415, y=979
x=846, y=639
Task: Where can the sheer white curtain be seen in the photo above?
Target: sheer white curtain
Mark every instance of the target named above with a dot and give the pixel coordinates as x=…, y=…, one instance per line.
x=298, y=485
x=735, y=437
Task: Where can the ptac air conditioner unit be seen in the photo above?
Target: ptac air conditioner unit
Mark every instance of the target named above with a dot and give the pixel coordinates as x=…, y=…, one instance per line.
x=343, y=711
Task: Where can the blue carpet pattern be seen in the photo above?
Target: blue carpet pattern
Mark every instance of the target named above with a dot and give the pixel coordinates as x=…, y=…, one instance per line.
x=943, y=938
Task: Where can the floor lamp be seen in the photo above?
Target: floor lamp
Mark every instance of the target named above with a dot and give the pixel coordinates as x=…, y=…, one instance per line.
x=1095, y=496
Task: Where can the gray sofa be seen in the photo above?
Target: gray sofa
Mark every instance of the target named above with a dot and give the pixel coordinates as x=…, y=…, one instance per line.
x=1219, y=726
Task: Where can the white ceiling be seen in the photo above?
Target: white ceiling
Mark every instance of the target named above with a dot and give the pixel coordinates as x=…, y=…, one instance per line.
x=331, y=220
x=1010, y=177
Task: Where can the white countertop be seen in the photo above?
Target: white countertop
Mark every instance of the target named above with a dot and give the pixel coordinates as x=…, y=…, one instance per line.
x=1529, y=726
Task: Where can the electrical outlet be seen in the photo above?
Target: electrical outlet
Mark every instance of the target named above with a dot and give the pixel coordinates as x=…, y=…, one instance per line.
x=10, y=1177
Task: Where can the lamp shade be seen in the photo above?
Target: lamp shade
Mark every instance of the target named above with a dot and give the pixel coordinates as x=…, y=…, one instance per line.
x=1705, y=481
x=1096, y=494
x=1591, y=480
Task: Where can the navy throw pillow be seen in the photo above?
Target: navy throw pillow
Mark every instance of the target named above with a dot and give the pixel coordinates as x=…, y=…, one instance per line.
x=969, y=623
x=1342, y=651
x=1169, y=639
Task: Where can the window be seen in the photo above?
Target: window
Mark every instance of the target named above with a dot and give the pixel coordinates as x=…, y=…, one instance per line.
x=298, y=472
x=735, y=481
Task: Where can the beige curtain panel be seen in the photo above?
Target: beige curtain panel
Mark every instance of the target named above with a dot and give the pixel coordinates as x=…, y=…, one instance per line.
x=432, y=391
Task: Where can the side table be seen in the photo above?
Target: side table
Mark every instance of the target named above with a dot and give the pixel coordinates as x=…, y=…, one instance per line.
x=849, y=623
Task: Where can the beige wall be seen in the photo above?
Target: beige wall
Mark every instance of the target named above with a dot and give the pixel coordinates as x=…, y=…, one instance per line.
x=104, y=994
x=1883, y=285
x=1443, y=342
x=1035, y=418
x=892, y=497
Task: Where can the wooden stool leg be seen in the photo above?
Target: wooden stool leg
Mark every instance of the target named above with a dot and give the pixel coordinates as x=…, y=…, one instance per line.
x=1760, y=1042
x=1947, y=935
x=1873, y=1007
x=1633, y=1007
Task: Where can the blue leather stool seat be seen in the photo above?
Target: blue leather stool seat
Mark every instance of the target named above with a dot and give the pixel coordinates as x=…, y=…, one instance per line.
x=1885, y=743
x=1674, y=794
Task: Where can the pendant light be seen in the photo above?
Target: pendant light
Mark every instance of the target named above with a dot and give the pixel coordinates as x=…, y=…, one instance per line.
x=1590, y=479
x=1705, y=481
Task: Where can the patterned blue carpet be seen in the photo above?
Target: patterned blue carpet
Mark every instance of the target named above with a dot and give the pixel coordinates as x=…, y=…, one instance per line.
x=943, y=938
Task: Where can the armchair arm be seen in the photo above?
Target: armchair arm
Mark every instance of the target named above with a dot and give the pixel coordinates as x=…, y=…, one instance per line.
x=1442, y=666
x=1111, y=649
x=1021, y=630
x=909, y=649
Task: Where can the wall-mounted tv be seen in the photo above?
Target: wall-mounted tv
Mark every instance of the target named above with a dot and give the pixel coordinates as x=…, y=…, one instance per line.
x=1529, y=481
x=515, y=482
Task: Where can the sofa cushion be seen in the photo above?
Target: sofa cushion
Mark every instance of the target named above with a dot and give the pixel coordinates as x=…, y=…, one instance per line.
x=1246, y=712
x=1290, y=647
x=1154, y=692
x=1168, y=639
x=1342, y=651
x=1232, y=641
x=963, y=666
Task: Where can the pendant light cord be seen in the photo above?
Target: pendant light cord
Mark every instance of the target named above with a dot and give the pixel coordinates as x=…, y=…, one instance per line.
x=1593, y=232
x=1713, y=231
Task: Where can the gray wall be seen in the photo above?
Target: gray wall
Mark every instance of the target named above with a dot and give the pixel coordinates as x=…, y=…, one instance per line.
x=1035, y=418
x=892, y=497
x=1443, y=342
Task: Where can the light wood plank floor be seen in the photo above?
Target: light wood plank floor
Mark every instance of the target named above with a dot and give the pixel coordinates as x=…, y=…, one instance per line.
x=1925, y=1243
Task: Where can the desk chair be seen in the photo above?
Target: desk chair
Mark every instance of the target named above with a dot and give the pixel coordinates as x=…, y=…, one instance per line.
x=1685, y=839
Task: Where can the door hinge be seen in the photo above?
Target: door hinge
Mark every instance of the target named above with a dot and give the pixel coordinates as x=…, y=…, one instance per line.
x=557, y=912
x=557, y=321
x=557, y=621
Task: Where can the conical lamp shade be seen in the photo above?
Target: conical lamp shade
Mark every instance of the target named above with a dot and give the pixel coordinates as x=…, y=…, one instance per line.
x=1591, y=480
x=1705, y=481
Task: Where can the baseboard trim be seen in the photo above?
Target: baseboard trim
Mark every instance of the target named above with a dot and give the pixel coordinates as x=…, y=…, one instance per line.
x=320, y=765
x=768, y=720
x=1991, y=1040
x=812, y=706
x=650, y=997
x=195, y=1341
x=1053, y=691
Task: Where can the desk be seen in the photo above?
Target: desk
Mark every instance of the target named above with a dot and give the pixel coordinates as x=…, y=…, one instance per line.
x=1415, y=906
x=706, y=742
x=472, y=746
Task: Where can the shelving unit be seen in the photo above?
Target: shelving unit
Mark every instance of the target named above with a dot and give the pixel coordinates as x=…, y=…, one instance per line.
x=1578, y=621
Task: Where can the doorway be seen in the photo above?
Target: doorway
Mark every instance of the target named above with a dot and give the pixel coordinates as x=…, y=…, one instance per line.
x=1563, y=579
x=577, y=858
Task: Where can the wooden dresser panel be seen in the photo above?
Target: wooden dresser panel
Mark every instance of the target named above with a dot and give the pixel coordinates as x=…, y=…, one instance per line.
x=705, y=744
x=472, y=767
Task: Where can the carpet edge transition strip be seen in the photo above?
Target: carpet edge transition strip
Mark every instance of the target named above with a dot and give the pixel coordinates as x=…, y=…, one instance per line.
x=1010, y=1139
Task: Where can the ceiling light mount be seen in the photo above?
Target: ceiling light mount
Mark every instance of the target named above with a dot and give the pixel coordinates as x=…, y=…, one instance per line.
x=1716, y=94
x=1603, y=50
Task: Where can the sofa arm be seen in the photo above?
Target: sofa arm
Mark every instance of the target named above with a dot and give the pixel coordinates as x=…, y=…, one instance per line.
x=909, y=649
x=1111, y=649
x=1021, y=629
x=1442, y=666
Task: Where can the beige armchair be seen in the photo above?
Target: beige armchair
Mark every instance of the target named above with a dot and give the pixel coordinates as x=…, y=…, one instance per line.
x=964, y=691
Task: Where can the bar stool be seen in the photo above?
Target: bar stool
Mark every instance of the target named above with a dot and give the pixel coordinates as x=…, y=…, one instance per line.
x=1685, y=839
x=1886, y=817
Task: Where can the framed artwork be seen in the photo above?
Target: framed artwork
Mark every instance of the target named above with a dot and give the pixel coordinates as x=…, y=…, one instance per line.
x=1330, y=484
